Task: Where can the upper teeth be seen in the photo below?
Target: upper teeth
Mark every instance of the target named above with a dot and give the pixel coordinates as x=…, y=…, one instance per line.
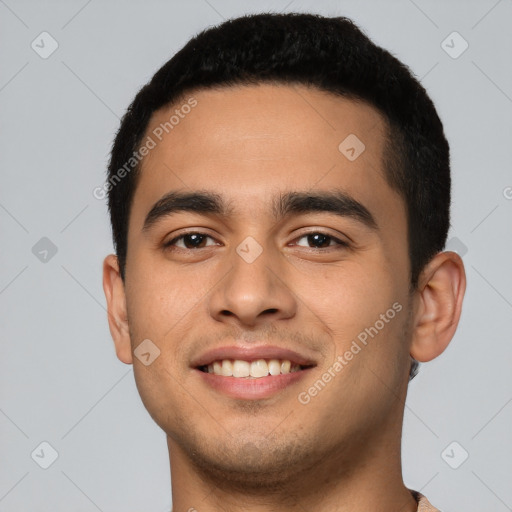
x=258, y=368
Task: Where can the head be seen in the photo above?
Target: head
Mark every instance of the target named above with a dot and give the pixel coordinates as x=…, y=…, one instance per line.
x=294, y=190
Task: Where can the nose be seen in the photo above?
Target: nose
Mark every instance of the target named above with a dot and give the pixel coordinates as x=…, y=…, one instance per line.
x=253, y=292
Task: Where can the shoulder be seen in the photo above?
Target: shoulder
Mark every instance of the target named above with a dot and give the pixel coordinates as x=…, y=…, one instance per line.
x=423, y=504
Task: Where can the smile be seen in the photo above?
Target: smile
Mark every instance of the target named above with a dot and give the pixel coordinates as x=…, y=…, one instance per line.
x=251, y=369
x=251, y=380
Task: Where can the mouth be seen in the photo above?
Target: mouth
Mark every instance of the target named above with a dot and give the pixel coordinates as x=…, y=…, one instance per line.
x=256, y=369
x=251, y=374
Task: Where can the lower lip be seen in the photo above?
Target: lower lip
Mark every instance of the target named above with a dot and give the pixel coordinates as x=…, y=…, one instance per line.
x=252, y=389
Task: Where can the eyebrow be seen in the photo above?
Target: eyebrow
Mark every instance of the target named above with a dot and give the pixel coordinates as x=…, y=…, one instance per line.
x=285, y=204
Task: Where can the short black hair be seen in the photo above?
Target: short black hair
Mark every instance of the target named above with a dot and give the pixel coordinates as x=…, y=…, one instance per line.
x=331, y=54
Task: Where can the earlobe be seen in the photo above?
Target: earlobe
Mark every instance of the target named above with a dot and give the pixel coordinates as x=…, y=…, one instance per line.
x=439, y=304
x=113, y=287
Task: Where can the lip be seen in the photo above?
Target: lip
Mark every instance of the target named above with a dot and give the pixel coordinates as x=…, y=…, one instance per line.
x=242, y=388
x=251, y=354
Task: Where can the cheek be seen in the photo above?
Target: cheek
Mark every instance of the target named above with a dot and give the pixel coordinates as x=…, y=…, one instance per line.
x=351, y=296
x=160, y=299
x=160, y=390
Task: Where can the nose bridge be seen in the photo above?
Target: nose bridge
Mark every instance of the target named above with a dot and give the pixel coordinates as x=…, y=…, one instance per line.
x=254, y=288
x=253, y=274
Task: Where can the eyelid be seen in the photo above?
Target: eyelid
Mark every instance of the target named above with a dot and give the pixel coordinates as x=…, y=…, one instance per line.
x=326, y=232
x=180, y=236
x=339, y=240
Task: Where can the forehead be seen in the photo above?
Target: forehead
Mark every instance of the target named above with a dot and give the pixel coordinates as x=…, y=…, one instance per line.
x=250, y=142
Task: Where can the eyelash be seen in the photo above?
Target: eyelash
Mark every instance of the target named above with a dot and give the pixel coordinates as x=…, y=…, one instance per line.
x=341, y=244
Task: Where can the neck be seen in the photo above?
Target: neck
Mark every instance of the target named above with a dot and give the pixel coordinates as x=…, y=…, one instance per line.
x=356, y=479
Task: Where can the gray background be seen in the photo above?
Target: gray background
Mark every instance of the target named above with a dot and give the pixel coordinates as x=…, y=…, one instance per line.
x=60, y=380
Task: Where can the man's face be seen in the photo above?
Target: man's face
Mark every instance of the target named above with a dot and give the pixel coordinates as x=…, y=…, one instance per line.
x=254, y=279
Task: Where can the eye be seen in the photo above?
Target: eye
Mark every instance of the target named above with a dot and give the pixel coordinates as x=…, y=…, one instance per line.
x=192, y=240
x=322, y=240
x=195, y=240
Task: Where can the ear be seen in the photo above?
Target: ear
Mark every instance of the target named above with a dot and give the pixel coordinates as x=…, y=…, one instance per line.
x=113, y=287
x=439, y=295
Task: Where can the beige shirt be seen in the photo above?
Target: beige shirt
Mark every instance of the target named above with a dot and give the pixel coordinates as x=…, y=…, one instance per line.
x=423, y=504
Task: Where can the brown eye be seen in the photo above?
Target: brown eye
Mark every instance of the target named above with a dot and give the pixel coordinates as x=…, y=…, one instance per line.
x=192, y=240
x=320, y=240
